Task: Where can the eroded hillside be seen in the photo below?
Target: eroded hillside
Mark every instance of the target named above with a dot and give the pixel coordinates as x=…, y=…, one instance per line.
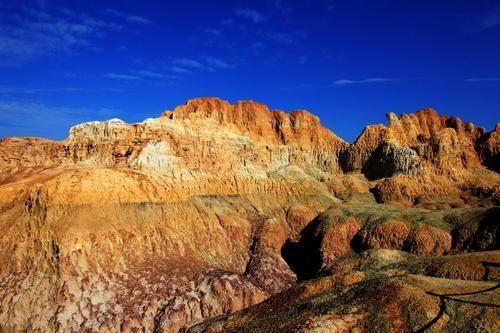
x=212, y=208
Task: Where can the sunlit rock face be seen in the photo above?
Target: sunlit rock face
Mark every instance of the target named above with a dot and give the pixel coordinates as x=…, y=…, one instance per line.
x=209, y=208
x=445, y=142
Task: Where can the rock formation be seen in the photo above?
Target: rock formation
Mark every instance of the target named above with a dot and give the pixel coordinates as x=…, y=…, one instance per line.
x=444, y=142
x=214, y=207
x=380, y=291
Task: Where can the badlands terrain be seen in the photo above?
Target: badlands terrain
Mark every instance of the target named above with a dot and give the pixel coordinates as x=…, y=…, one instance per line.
x=219, y=217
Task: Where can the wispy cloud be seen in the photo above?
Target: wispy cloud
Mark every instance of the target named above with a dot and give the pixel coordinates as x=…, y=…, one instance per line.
x=179, y=70
x=283, y=9
x=483, y=79
x=27, y=118
x=211, y=35
x=212, y=32
x=96, y=23
x=283, y=38
x=152, y=74
x=286, y=37
x=257, y=46
x=207, y=63
x=250, y=14
x=303, y=60
x=487, y=19
x=16, y=90
x=491, y=20
x=219, y=63
x=369, y=80
x=116, y=76
x=131, y=18
x=30, y=40
x=29, y=34
x=186, y=62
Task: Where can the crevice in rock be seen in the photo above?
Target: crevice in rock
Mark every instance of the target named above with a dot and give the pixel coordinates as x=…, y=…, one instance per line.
x=303, y=256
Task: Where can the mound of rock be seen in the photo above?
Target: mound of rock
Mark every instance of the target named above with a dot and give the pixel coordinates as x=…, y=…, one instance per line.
x=379, y=291
x=344, y=229
x=389, y=160
x=389, y=234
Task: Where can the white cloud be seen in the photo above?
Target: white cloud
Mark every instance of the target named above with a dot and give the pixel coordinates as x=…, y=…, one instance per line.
x=369, y=80
x=99, y=24
x=151, y=74
x=29, y=34
x=219, y=63
x=187, y=65
x=251, y=14
x=131, y=18
x=179, y=70
x=121, y=76
x=185, y=62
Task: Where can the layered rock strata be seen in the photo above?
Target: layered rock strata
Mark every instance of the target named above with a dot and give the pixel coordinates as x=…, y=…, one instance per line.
x=209, y=208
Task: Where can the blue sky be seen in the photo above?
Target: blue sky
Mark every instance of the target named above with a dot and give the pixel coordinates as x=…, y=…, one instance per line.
x=349, y=62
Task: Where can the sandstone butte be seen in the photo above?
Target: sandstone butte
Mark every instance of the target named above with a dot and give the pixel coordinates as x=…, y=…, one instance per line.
x=219, y=217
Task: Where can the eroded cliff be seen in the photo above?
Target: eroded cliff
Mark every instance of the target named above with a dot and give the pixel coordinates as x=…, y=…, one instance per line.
x=210, y=208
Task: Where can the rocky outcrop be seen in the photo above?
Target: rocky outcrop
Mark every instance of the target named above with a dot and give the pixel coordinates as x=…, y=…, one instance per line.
x=298, y=127
x=156, y=224
x=378, y=291
x=329, y=237
x=429, y=241
x=344, y=229
x=389, y=160
x=489, y=148
x=213, y=207
x=445, y=143
x=422, y=153
x=389, y=234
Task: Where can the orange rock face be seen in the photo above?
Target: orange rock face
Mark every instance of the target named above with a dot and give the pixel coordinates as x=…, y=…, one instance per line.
x=428, y=240
x=442, y=142
x=334, y=239
x=390, y=234
x=300, y=127
x=155, y=225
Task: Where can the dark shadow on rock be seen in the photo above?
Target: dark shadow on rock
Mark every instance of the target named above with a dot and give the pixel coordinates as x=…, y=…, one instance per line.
x=303, y=257
x=389, y=160
x=481, y=233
